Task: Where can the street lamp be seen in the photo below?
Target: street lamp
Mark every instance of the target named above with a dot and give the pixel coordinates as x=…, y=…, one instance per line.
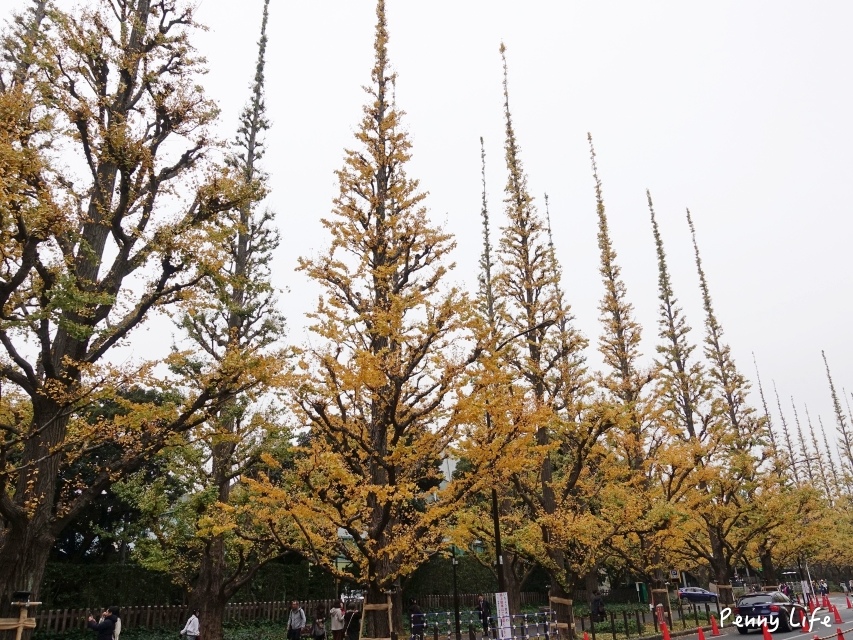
x=455, y=594
x=499, y=558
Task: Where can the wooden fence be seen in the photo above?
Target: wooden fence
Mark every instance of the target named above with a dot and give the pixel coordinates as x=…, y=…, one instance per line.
x=174, y=617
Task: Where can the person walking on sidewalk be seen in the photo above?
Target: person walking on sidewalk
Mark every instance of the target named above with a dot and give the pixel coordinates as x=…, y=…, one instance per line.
x=596, y=608
x=336, y=614
x=352, y=622
x=484, y=612
x=191, y=628
x=417, y=619
x=295, y=621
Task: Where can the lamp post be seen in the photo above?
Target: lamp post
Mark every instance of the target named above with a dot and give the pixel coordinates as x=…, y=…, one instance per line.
x=499, y=558
x=455, y=594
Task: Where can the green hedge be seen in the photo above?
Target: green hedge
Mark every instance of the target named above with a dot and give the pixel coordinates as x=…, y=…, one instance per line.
x=69, y=585
x=619, y=625
x=582, y=609
x=435, y=577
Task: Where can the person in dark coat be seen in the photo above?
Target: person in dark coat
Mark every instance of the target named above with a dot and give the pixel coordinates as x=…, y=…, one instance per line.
x=106, y=626
x=418, y=619
x=318, y=629
x=484, y=612
x=596, y=608
x=352, y=622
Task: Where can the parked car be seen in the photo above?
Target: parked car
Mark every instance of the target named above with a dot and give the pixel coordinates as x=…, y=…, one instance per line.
x=774, y=607
x=353, y=595
x=695, y=594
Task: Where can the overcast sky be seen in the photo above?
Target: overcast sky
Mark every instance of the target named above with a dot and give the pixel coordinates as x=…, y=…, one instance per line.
x=740, y=111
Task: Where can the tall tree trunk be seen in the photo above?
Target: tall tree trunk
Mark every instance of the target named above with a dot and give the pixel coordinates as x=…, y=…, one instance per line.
x=768, y=569
x=514, y=574
x=719, y=565
x=26, y=541
x=375, y=623
x=23, y=557
x=208, y=595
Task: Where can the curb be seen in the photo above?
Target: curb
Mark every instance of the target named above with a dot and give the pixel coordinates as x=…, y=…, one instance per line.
x=834, y=635
x=683, y=632
x=690, y=632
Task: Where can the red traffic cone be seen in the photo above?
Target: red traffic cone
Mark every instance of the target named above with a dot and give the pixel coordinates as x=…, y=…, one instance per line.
x=702, y=634
x=840, y=635
x=837, y=615
x=804, y=621
x=715, y=630
x=665, y=631
x=849, y=605
x=765, y=631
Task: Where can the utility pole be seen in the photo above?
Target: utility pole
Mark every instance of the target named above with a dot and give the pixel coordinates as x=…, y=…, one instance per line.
x=456, y=596
x=499, y=559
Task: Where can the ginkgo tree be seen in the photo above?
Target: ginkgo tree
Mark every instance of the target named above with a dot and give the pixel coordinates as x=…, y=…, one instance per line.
x=383, y=383
x=203, y=536
x=555, y=482
x=632, y=527
x=111, y=188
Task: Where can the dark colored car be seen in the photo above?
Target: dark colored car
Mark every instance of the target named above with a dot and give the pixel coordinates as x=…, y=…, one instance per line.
x=695, y=594
x=774, y=607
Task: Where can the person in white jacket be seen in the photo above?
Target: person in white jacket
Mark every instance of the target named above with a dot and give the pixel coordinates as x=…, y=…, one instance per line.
x=337, y=616
x=191, y=627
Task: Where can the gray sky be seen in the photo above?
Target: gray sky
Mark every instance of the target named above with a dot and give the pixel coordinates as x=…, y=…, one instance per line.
x=738, y=110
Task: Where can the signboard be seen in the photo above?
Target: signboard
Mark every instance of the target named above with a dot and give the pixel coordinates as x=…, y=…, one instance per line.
x=673, y=574
x=502, y=612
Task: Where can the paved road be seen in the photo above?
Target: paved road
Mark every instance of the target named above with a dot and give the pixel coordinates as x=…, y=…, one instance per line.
x=820, y=630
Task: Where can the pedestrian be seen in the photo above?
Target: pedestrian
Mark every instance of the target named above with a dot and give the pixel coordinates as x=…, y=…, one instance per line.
x=115, y=612
x=318, y=629
x=336, y=615
x=418, y=620
x=117, y=630
x=596, y=608
x=105, y=627
x=295, y=621
x=352, y=622
x=484, y=611
x=191, y=630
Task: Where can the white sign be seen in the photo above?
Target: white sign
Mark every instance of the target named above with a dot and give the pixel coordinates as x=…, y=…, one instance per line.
x=673, y=574
x=502, y=611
